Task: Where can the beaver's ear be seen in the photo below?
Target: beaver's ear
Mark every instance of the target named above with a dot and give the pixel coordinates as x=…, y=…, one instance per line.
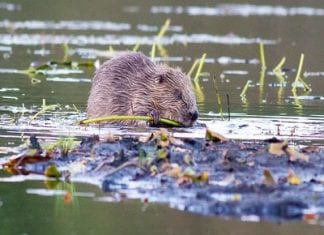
x=160, y=78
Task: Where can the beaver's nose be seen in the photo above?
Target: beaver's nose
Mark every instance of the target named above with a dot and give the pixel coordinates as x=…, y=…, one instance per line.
x=193, y=115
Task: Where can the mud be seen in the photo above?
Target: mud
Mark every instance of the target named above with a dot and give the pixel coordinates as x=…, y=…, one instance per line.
x=220, y=178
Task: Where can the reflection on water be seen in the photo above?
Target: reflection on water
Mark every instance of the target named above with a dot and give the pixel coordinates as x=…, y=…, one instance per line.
x=26, y=209
x=244, y=10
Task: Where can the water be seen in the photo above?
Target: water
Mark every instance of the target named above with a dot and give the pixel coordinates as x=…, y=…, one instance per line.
x=36, y=31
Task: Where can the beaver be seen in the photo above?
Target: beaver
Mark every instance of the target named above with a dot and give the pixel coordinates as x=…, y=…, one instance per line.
x=131, y=84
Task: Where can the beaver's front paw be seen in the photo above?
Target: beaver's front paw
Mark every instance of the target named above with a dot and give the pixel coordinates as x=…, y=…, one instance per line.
x=156, y=118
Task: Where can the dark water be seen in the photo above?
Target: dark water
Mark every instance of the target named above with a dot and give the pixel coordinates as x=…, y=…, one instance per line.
x=229, y=32
x=23, y=211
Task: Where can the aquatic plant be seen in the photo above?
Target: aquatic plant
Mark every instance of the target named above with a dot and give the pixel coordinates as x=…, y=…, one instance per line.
x=121, y=118
x=219, y=100
x=298, y=76
x=157, y=41
x=262, y=57
x=44, y=109
x=243, y=93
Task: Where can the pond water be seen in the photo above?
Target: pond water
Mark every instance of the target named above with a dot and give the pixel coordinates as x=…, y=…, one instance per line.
x=34, y=32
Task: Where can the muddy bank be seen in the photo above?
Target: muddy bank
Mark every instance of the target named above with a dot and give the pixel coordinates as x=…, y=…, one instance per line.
x=269, y=179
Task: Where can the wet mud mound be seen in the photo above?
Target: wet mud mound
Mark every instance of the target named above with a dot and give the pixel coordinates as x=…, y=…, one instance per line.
x=213, y=176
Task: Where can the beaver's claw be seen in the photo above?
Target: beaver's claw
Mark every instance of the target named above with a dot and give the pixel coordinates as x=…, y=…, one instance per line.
x=156, y=118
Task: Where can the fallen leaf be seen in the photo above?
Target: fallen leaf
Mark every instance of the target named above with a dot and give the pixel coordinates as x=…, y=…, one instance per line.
x=204, y=177
x=295, y=155
x=162, y=154
x=187, y=158
x=310, y=217
x=175, y=172
x=154, y=170
x=293, y=179
x=268, y=178
x=214, y=136
x=277, y=148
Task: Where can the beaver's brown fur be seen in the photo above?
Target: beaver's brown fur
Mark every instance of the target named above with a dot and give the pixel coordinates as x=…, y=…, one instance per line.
x=131, y=84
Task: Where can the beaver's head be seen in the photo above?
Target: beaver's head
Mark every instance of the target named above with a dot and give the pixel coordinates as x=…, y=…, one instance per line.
x=173, y=95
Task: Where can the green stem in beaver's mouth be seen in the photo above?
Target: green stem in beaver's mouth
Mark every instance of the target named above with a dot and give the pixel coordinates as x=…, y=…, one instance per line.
x=122, y=118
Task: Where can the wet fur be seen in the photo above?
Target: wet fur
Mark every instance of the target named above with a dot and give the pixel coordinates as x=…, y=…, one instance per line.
x=131, y=84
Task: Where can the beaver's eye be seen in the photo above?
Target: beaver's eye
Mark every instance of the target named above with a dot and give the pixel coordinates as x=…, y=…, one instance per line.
x=178, y=94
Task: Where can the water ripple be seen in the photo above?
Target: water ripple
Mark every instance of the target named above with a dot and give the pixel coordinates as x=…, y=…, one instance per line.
x=239, y=10
x=67, y=25
x=112, y=39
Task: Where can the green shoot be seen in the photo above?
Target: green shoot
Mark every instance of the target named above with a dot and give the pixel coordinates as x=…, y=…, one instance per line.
x=66, y=49
x=243, y=93
x=44, y=109
x=136, y=46
x=194, y=65
x=122, y=118
x=163, y=29
x=277, y=69
x=201, y=64
x=298, y=77
x=262, y=57
x=153, y=50
x=219, y=100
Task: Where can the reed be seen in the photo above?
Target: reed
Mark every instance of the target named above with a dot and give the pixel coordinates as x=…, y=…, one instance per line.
x=201, y=64
x=123, y=118
x=219, y=100
x=244, y=90
x=262, y=57
x=298, y=77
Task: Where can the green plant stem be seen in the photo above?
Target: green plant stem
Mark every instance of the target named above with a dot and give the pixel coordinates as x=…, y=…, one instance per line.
x=243, y=93
x=136, y=46
x=123, y=118
x=194, y=65
x=298, y=77
x=153, y=50
x=262, y=57
x=164, y=28
x=201, y=64
x=279, y=66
